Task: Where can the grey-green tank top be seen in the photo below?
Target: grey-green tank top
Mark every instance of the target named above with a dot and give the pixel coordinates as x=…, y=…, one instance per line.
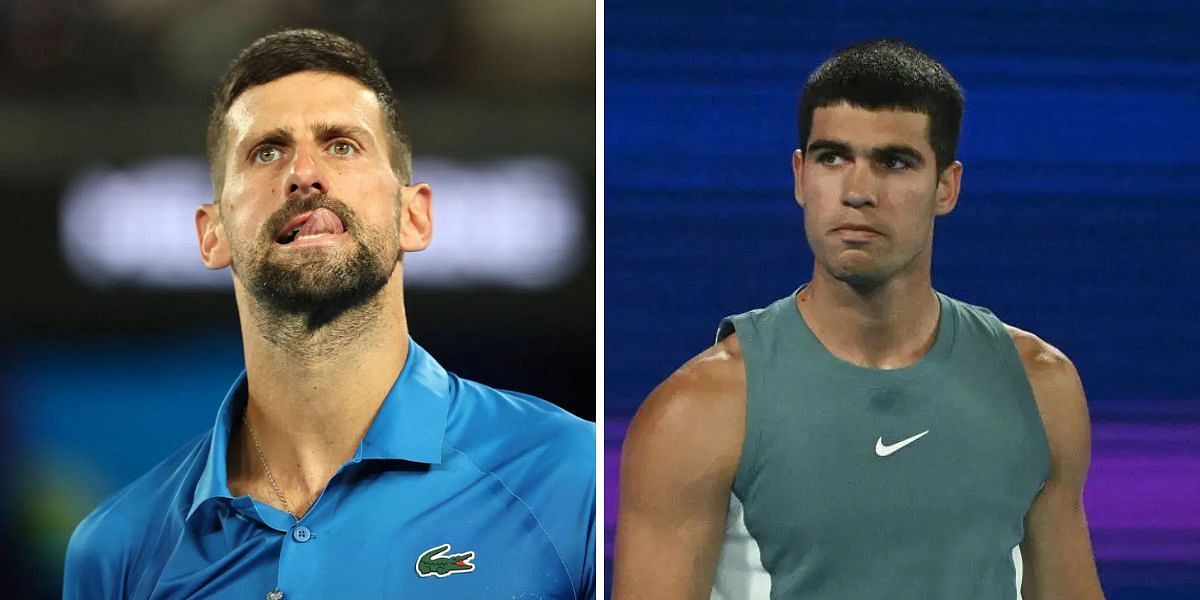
x=870, y=483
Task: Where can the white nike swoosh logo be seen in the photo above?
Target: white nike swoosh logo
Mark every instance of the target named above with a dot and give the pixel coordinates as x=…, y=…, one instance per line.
x=882, y=449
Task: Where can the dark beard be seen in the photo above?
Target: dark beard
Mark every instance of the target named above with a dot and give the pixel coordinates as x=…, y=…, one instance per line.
x=313, y=285
x=322, y=284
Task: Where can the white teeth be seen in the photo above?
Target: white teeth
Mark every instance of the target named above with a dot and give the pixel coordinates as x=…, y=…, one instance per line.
x=312, y=235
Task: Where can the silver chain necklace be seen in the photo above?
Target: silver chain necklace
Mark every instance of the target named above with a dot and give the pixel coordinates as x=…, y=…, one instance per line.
x=270, y=477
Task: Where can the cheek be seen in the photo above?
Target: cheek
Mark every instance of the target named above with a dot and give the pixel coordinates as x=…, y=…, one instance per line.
x=239, y=232
x=909, y=194
x=383, y=211
x=243, y=223
x=821, y=187
x=915, y=210
x=256, y=180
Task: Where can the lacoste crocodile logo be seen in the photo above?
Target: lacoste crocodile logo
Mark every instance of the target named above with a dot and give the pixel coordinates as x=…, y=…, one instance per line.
x=436, y=564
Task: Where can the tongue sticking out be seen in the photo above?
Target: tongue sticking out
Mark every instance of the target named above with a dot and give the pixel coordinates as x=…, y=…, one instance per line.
x=321, y=220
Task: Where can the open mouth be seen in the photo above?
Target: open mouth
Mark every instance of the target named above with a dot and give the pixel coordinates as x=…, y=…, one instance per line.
x=313, y=224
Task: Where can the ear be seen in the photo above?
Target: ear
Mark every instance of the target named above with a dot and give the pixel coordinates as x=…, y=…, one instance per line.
x=214, y=246
x=947, y=190
x=797, y=174
x=416, y=218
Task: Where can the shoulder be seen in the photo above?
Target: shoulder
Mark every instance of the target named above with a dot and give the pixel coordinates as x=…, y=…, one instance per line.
x=529, y=444
x=1060, y=399
x=709, y=384
x=496, y=426
x=544, y=456
x=695, y=418
x=107, y=545
x=1047, y=367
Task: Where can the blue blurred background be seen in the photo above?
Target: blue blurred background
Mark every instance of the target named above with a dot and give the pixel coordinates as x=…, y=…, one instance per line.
x=1078, y=216
x=116, y=345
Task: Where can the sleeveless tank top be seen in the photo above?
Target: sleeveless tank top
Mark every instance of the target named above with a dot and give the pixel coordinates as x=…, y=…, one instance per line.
x=881, y=483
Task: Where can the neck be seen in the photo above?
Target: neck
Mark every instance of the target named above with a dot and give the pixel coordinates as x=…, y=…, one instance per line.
x=888, y=326
x=315, y=384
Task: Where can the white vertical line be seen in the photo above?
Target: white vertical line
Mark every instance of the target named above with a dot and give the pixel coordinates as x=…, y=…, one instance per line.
x=1018, y=568
x=600, y=542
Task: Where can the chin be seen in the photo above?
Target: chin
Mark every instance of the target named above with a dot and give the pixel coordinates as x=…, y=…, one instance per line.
x=324, y=295
x=860, y=280
x=320, y=281
x=858, y=274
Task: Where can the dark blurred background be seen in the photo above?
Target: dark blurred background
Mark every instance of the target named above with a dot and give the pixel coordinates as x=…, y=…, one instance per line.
x=116, y=345
x=1078, y=216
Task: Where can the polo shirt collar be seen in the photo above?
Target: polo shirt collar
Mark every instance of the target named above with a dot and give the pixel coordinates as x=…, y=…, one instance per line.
x=410, y=424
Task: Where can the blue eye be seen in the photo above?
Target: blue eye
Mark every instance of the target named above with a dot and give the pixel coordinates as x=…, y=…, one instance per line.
x=266, y=154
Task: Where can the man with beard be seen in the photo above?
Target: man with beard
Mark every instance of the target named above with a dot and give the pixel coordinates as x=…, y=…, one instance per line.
x=865, y=436
x=344, y=461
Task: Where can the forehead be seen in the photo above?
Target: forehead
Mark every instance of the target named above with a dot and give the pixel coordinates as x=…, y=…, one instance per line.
x=871, y=128
x=301, y=99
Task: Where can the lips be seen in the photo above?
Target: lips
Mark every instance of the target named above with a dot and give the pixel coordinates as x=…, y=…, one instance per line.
x=314, y=222
x=855, y=227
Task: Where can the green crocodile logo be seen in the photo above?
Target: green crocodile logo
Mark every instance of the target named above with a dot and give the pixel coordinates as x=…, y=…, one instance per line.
x=432, y=562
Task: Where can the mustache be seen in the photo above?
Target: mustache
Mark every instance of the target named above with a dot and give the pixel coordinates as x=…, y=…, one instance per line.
x=296, y=205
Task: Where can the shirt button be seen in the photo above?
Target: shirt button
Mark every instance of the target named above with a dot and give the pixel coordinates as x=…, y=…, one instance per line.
x=301, y=534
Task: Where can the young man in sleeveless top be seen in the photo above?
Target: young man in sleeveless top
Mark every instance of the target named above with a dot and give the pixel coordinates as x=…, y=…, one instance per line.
x=865, y=437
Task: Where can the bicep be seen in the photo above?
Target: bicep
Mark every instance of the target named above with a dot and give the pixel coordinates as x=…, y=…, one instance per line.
x=1057, y=549
x=676, y=473
x=668, y=532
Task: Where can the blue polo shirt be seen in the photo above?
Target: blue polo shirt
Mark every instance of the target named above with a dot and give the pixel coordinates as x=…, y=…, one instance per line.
x=457, y=491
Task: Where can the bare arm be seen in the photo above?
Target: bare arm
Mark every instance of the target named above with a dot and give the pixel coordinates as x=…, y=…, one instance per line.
x=677, y=469
x=1057, y=551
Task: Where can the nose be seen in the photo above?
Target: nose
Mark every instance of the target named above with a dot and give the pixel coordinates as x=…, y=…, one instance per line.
x=859, y=190
x=857, y=201
x=306, y=176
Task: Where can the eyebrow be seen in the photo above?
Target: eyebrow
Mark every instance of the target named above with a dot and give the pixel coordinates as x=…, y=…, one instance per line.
x=323, y=131
x=877, y=153
x=829, y=145
x=280, y=136
x=900, y=150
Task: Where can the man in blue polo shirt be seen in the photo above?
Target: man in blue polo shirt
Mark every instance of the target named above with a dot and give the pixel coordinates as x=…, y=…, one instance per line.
x=344, y=461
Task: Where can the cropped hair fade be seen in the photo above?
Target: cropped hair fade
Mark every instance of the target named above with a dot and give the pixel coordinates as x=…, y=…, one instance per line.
x=888, y=74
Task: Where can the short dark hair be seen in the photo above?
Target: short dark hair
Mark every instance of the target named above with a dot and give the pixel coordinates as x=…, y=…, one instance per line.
x=292, y=51
x=888, y=74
